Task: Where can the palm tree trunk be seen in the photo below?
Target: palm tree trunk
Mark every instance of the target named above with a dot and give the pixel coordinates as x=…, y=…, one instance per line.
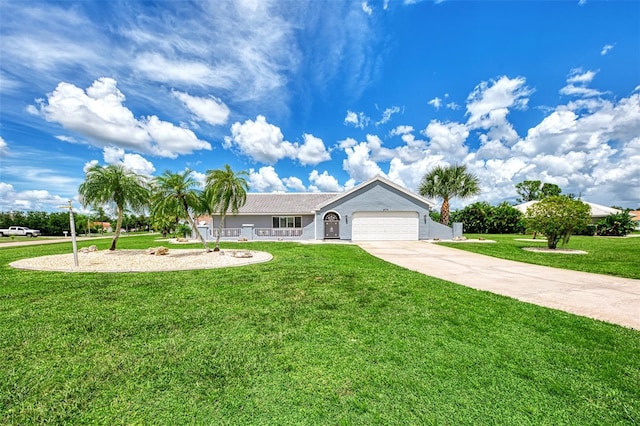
x=114, y=241
x=444, y=212
x=220, y=227
x=192, y=223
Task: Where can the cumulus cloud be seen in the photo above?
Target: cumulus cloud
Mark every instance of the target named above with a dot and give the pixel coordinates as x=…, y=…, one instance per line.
x=359, y=164
x=324, y=182
x=401, y=130
x=99, y=115
x=210, y=110
x=359, y=120
x=265, y=179
x=447, y=139
x=265, y=143
x=312, y=151
x=366, y=8
x=133, y=162
x=294, y=183
x=490, y=102
x=260, y=140
x=38, y=200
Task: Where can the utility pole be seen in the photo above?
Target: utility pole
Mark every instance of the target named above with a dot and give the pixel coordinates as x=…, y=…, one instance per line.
x=72, y=224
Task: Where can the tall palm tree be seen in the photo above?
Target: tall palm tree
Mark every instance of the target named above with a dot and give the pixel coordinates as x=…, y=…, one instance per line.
x=114, y=184
x=177, y=195
x=225, y=190
x=449, y=182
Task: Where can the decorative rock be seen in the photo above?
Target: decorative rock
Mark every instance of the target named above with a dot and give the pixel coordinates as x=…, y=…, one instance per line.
x=157, y=251
x=242, y=254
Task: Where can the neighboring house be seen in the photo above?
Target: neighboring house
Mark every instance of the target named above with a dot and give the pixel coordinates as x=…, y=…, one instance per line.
x=598, y=211
x=103, y=226
x=635, y=217
x=377, y=209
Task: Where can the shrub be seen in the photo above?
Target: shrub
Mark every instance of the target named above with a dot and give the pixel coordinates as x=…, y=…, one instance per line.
x=557, y=217
x=482, y=218
x=617, y=224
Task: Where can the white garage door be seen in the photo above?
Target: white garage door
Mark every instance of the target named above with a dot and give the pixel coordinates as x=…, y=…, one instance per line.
x=372, y=226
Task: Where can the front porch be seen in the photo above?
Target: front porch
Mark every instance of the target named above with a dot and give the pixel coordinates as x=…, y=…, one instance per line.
x=250, y=233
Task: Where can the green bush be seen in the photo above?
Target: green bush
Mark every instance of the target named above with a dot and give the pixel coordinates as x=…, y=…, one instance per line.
x=617, y=225
x=483, y=218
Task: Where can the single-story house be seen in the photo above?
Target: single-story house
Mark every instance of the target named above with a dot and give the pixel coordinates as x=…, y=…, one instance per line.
x=635, y=217
x=377, y=209
x=598, y=211
x=102, y=226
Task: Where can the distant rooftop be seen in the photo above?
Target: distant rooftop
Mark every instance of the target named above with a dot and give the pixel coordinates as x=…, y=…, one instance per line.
x=284, y=203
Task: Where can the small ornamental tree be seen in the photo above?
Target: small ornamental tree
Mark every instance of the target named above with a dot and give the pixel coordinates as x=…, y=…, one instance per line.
x=557, y=217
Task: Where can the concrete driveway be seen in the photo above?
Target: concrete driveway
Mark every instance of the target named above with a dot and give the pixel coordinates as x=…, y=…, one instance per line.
x=610, y=299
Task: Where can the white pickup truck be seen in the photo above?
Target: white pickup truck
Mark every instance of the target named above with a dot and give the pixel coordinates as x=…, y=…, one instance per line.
x=19, y=231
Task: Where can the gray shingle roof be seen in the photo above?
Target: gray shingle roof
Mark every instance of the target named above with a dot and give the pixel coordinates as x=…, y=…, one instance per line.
x=284, y=203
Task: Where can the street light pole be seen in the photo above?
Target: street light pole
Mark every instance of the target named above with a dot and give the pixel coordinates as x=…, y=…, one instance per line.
x=72, y=224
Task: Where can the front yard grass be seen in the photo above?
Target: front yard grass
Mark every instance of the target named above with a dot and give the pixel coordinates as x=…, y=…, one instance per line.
x=605, y=255
x=323, y=334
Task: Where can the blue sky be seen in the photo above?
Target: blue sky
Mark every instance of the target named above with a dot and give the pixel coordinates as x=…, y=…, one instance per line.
x=322, y=95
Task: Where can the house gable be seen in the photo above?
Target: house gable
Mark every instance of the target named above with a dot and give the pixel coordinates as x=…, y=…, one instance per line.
x=383, y=184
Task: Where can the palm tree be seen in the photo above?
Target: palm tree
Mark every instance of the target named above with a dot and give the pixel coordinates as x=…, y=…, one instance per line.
x=114, y=184
x=225, y=190
x=449, y=182
x=177, y=195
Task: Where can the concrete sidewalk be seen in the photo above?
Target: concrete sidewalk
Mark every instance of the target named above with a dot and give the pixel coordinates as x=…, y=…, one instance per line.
x=612, y=299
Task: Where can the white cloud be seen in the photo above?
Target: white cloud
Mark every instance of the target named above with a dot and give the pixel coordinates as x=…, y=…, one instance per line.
x=387, y=114
x=313, y=151
x=358, y=120
x=10, y=199
x=89, y=164
x=99, y=115
x=156, y=67
x=489, y=103
x=577, y=82
x=265, y=143
x=324, y=182
x=265, y=180
x=447, y=139
x=577, y=75
x=210, y=110
x=294, y=184
x=359, y=164
x=133, y=162
x=366, y=8
x=401, y=130
x=435, y=102
x=4, y=148
x=260, y=140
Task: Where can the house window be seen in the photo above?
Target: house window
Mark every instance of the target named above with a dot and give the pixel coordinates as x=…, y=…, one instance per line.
x=287, y=221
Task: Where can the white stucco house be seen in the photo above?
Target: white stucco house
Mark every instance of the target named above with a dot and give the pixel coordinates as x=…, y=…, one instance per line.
x=377, y=209
x=598, y=211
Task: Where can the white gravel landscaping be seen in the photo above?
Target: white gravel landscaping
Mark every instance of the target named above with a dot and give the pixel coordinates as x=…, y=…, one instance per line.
x=141, y=261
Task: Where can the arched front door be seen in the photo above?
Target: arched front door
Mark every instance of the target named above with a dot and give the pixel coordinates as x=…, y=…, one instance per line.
x=331, y=226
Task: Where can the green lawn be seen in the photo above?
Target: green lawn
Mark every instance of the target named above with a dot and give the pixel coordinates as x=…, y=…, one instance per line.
x=605, y=255
x=323, y=334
